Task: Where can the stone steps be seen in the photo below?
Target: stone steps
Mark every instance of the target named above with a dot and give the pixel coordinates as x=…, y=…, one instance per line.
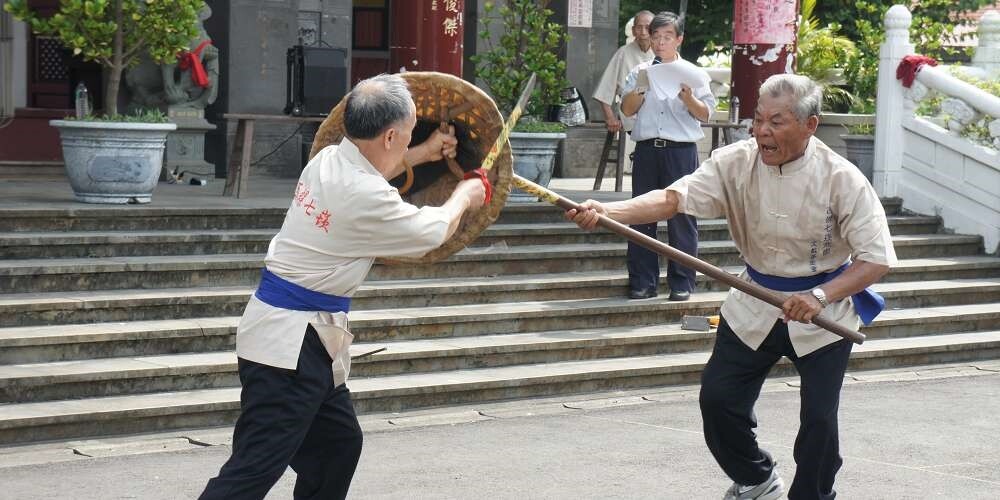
x=32, y=171
x=179, y=271
x=83, y=244
x=56, y=343
x=61, y=419
x=110, y=218
x=133, y=305
x=185, y=371
x=122, y=321
x=149, y=218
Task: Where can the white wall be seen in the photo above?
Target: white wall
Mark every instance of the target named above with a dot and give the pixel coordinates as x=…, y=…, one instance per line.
x=13, y=53
x=951, y=177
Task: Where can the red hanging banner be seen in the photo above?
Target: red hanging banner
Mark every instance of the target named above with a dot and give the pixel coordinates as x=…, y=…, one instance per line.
x=764, y=38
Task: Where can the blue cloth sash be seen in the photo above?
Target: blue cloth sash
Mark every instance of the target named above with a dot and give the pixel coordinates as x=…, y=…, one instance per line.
x=278, y=292
x=867, y=303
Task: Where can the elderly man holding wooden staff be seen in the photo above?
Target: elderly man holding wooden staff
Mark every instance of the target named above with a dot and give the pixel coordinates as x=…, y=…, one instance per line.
x=810, y=227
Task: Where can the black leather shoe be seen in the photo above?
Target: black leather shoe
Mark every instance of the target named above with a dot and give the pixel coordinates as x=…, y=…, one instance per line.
x=679, y=295
x=642, y=294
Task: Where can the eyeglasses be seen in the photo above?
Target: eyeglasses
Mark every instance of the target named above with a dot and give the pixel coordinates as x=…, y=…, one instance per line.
x=663, y=38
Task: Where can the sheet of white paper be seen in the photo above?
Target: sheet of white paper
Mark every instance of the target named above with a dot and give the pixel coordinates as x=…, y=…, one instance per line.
x=665, y=79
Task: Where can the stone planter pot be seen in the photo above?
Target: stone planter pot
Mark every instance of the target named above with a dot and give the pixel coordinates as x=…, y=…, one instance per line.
x=534, y=159
x=113, y=162
x=861, y=152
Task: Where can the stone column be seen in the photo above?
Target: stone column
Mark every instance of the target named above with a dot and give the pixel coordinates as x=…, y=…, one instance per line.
x=987, y=55
x=589, y=48
x=889, y=108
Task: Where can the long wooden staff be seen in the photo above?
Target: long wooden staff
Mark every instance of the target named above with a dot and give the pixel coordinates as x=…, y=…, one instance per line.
x=638, y=238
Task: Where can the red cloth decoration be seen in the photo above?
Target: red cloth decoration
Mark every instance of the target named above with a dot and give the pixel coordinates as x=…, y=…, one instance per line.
x=909, y=66
x=481, y=175
x=192, y=60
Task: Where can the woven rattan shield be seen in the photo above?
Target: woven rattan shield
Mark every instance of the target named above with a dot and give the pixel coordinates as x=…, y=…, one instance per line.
x=442, y=97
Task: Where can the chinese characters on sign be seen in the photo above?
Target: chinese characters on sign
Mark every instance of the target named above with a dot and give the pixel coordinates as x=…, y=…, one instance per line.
x=765, y=22
x=451, y=23
x=450, y=26
x=581, y=14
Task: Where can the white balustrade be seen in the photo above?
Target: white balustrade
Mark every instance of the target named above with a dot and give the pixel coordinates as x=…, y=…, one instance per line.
x=926, y=161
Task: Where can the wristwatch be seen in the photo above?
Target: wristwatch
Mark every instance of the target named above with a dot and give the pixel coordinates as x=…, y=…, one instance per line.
x=820, y=296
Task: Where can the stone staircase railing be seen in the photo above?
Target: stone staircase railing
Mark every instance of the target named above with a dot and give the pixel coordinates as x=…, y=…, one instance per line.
x=933, y=168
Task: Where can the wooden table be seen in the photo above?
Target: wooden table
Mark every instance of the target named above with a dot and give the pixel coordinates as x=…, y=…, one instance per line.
x=727, y=132
x=238, y=170
x=726, y=136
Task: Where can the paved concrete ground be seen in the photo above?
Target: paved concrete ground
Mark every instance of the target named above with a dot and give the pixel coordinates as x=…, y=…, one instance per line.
x=263, y=192
x=929, y=433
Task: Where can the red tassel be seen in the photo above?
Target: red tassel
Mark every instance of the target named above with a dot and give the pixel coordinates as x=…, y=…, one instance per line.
x=481, y=175
x=909, y=66
x=192, y=60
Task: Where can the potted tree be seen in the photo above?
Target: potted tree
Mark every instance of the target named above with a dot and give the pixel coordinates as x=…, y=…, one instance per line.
x=112, y=158
x=527, y=42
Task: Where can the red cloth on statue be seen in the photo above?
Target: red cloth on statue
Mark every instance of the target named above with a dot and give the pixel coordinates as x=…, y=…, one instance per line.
x=193, y=60
x=908, y=67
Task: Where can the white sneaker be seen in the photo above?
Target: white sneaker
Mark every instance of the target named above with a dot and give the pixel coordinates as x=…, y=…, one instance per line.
x=772, y=489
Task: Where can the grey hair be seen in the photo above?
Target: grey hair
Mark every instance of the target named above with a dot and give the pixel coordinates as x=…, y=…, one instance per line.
x=807, y=95
x=642, y=13
x=375, y=104
x=665, y=19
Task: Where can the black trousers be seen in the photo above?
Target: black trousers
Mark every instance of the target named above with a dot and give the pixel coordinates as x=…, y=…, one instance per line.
x=656, y=168
x=730, y=386
x=291, y=417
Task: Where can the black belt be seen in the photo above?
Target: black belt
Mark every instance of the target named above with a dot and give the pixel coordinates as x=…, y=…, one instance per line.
x=664, y=143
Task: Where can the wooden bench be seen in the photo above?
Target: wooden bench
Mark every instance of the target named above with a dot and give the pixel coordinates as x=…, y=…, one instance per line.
x=238, y=170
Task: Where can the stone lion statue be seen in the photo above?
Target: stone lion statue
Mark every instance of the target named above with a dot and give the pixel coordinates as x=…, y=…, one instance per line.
x=176, y=85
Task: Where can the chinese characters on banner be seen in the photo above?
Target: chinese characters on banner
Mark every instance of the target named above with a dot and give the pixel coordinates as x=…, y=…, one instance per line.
x=768, y=21
x=581, y=14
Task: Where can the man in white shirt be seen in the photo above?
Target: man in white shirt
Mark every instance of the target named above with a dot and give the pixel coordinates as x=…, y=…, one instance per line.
x=609, y=89
x=666, y=130
x=809, y=226
x=292, y=341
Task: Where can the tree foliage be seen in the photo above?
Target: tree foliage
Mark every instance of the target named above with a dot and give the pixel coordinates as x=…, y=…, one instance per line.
x=708, y=24
x=526, y=42
x=820, y=52
x=936, y=26
x=115, y=33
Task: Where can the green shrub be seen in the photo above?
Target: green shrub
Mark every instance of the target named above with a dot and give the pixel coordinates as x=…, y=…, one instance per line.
x=138, y=116
x=821, y=53
x=532, y=124
x=528, y=43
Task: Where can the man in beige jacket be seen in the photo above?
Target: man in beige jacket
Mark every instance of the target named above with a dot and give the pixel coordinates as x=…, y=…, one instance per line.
x=810, y=227
x=609, y=89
